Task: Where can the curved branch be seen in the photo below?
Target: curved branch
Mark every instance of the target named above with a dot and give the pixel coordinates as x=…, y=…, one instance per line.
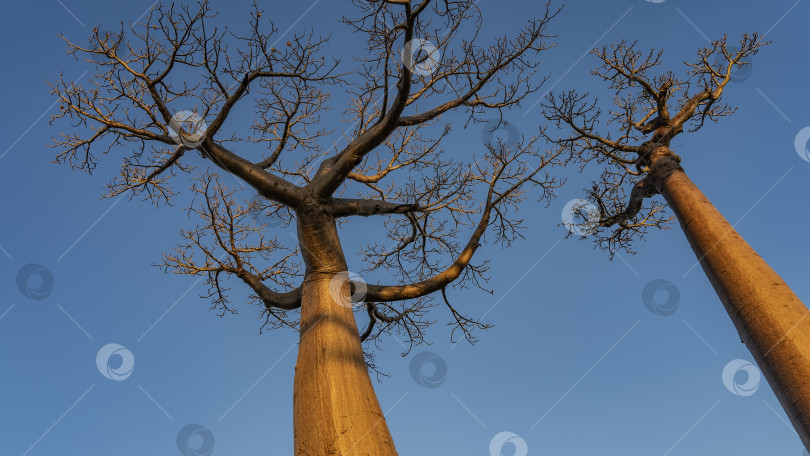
x=439, y=281
x=271, y=299
x=641, y=191
x=494, y=197
x=374, y=315
x=267, y=184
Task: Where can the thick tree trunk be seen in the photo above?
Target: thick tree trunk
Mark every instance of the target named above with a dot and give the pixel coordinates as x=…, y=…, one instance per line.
x=334, y=406
x=769, y=317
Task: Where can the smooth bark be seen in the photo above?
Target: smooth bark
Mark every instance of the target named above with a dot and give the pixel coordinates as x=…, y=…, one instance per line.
x=335, y=409
x=769, y=317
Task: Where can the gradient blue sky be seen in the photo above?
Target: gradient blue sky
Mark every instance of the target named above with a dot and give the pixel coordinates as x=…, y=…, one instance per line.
x=575, y=364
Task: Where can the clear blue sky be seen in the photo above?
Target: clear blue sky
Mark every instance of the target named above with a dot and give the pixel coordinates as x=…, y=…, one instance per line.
x=575, y=364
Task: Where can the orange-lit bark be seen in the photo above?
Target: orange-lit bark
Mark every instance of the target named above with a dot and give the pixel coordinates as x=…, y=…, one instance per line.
x=335, y=409
x=770, y=318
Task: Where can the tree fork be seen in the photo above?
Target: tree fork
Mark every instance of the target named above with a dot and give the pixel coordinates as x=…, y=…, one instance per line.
x=769, y=317
x=335, y=409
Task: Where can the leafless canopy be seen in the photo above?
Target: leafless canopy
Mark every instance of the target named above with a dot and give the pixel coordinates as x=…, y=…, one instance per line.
x=393, y=166
x=648, y=110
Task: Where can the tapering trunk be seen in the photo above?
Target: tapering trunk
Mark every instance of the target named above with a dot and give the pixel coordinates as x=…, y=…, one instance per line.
x=769, y=317
x=334, y=406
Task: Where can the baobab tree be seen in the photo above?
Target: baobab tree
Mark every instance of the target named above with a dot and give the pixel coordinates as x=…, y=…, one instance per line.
x=648, y=111
x=164, y=91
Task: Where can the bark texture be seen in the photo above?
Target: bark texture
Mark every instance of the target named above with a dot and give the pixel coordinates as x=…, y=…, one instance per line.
x=769, y=317
x=335, y=410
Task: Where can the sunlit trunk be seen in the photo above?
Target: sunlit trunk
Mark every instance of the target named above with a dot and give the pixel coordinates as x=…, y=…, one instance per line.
x=770, y=318
x=335, y=409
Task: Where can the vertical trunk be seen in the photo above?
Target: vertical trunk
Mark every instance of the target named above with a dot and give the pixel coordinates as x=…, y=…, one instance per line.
x=769, y=317
x=334, y=406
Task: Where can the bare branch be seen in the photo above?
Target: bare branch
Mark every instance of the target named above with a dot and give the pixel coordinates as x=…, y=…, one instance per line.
x=163, y=100
x=645, y=127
